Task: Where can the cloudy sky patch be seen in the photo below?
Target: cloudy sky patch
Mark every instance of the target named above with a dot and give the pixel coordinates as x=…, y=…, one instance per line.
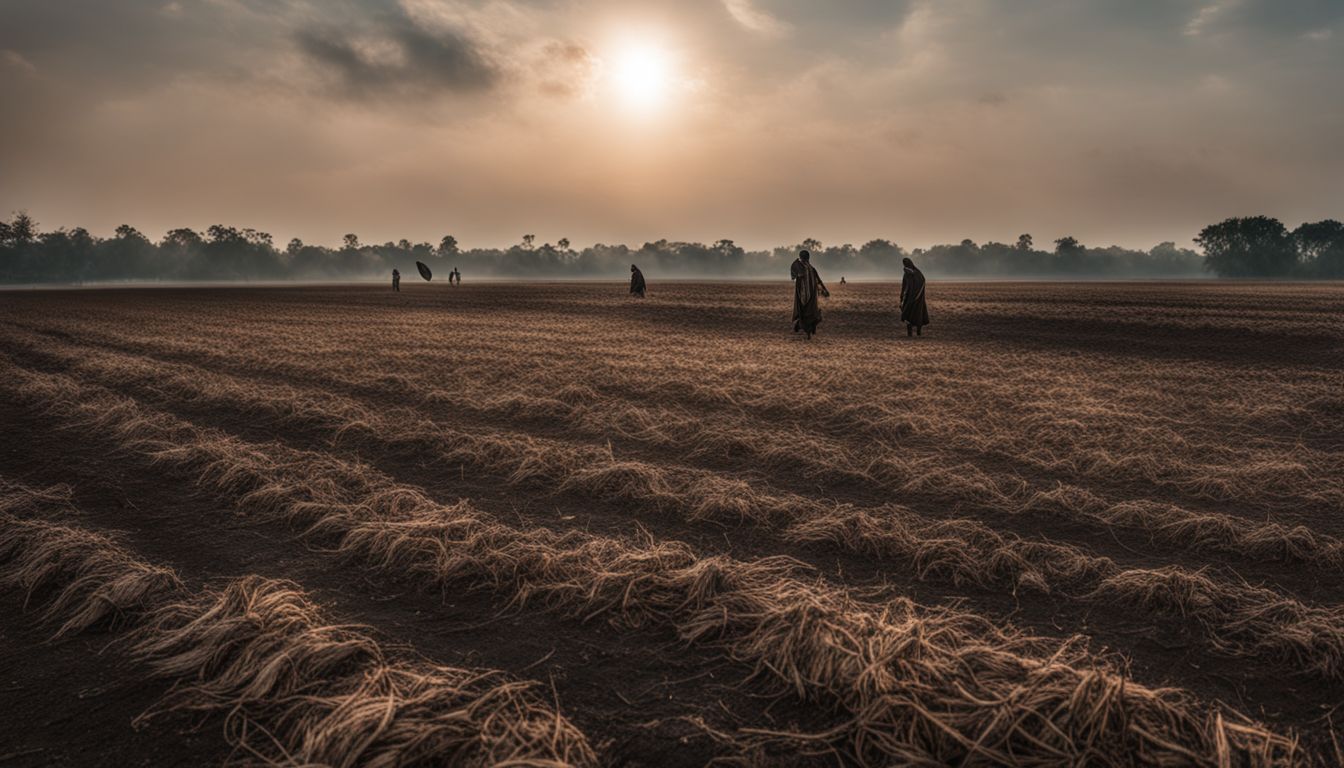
x=760, y=120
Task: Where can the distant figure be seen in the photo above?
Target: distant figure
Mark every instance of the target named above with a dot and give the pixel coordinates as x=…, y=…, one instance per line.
x=636, y=282
x=914, y=310
x=806, y=284
x=396, y=281
x=842, y=279
x=455, y=277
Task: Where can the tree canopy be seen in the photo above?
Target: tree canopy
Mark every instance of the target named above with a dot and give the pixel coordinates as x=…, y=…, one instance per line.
x=1247, y=247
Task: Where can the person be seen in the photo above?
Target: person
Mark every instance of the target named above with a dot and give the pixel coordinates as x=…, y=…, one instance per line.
x=914, y=310
x=842, y=279
x=454, y=277
x=636, y=282
x=806, y=284
x=396, y=281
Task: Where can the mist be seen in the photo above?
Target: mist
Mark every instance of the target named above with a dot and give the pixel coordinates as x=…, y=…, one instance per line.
x=1238, y=247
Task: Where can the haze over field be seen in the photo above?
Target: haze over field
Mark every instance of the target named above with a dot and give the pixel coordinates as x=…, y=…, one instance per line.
x=765, y=121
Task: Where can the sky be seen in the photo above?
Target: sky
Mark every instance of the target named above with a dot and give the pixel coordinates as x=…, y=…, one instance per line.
x=1121, y=122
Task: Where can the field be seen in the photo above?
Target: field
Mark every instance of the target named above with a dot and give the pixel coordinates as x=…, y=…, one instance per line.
x=544, y=524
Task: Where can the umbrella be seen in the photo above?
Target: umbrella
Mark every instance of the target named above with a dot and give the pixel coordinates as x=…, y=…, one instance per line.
x=424, y=271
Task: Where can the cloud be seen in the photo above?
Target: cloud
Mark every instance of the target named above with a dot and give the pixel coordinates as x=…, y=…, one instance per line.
x=1262, y=18
x=16, y=60
x=1206, y=17
x=566, y=70
x=397, y=56
x=744, y=12
x=969, y=116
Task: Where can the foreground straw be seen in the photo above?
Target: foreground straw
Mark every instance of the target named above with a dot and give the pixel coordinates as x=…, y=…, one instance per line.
x=1234, y=619
x=921, y=685
x=295, y=690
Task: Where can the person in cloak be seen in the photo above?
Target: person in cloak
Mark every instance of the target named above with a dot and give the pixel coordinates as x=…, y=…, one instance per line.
x=914, y=310
x=637, y=286
x=396, y=281
x=806, y=285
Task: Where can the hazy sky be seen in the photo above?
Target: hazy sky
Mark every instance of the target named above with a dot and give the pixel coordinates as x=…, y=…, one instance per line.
x=764, y=121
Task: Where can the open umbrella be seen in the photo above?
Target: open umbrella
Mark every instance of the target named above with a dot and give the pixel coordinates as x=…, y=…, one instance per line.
x=424, y=271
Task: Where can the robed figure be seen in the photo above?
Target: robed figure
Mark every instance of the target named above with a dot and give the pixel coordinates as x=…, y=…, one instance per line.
x=914, y=309
x=806, y=285
x=636, y=282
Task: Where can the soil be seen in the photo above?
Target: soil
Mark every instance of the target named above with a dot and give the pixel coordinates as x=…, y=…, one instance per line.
x=642, y=696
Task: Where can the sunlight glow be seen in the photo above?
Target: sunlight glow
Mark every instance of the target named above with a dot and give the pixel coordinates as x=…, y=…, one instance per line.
x=642, y=74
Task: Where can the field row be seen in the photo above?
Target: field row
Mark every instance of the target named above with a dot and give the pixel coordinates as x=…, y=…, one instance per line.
x=809, y=636
x=1075, y=428
x=804, y=459
x=294, y=689
x=1234, y=619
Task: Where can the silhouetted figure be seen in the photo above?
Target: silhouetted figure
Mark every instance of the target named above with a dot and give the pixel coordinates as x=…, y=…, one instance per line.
x=842, y=279
x=806, y=284
x=454, y=277
x=396, y=281
x=914, y=310
x=636, y=282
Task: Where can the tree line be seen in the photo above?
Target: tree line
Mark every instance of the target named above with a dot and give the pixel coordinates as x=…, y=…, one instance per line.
x=1240, y=247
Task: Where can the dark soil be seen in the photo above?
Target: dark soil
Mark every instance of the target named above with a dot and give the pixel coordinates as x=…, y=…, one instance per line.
x=638, y=694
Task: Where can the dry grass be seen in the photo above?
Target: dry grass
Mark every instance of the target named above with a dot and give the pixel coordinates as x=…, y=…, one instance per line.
x=295, y=690
x=81, y=579
x=299, y=691
x=922, y=685
x=1236, y=619
x=1139, y=477
x=594, y=469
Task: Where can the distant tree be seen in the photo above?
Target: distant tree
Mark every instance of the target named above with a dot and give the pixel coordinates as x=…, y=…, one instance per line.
x=1254, y=246
x=403, y=244
x=350, y=242
x=127, y=232
x=1024, y=242
x=1070, y=256
x=1320, y=247
x=257, y=237
x=183, y=238
x=563, y=243
x=295, y=247
x=880, y=255
x=528, y=241
x=811, y=244
x=22, y=230
x=448, y=246
x=1167, y=259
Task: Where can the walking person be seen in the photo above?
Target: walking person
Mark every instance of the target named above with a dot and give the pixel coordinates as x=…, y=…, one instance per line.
x=914, y=309
x=454, y=277
x=637, y=287
x=396, y=281
x=806, y=284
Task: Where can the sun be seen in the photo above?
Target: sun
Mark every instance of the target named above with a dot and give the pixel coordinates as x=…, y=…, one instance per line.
x=642, y=75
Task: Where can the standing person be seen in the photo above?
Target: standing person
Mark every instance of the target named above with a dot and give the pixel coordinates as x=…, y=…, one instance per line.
x=636, y=282
x=396, y=281
x=806, y=284
x=914, y=310
x=455, y=277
